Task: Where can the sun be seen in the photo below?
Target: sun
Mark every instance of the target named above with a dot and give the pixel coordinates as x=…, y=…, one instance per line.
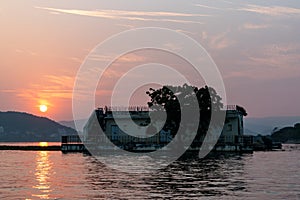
x=43, y=144
x=43, y=108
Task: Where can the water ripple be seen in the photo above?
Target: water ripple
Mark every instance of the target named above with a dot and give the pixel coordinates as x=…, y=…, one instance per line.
x=52, y=175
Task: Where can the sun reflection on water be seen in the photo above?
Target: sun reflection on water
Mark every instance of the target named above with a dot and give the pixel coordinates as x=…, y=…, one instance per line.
x=42, y=173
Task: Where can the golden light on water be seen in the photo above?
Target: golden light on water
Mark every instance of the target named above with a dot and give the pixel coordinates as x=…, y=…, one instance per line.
x=43, y=144
x=42, y=173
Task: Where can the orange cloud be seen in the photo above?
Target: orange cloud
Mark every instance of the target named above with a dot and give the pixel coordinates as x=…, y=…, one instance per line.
x=53, y=87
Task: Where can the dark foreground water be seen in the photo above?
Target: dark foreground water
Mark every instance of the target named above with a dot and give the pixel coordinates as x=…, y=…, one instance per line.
x=53, y=175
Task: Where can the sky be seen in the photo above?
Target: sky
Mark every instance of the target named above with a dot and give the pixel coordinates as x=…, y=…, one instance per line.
x=255, y=45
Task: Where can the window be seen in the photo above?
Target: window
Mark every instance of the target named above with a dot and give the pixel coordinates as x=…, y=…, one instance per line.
x=114, y=132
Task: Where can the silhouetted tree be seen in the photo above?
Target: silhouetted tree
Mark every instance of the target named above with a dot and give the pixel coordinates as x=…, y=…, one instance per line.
x=242, y=110
x=177, y=99
x=287, y=134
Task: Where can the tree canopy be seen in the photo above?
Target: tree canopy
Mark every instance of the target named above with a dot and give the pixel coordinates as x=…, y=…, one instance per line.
x=291, y=134
x=177, y=99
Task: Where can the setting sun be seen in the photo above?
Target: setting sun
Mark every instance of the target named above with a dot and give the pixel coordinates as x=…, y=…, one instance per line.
x=43, y=108
x=43, y=144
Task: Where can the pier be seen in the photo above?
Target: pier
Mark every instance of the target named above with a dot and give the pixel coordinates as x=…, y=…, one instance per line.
x=30, y=148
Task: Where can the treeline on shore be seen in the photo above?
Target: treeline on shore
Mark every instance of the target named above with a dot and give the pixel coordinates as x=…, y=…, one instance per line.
x=287, y=134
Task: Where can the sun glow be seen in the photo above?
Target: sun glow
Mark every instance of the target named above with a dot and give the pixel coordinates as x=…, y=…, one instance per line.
x=43, y=144
x=43, y=108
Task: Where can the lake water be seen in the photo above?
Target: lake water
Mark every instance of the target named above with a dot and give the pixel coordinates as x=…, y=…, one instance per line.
x=53, y=175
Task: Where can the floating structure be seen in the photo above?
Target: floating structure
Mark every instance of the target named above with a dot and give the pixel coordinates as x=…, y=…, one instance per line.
x=117, y=124
x=232, y=138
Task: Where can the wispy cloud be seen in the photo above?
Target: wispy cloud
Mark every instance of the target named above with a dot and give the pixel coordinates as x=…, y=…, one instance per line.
x=255, y=26
x=129, y=58
x=76, y=59
x=274, y=61
x=55, y=87
x=24, y=51
x=217, y=42
x=258, y=9
x=128, y=26
x=101, y=58
x=228, y=2
x=271, y=10
x=132, y=15
x=208, y=7
x=186, y=32
x=61, y=81
x=8, y=91
x=220, y=41
x=278, y=56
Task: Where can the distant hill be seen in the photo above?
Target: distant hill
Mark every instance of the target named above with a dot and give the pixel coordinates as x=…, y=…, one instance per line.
x=265, y=125
x=287, y=134
x=24, y=127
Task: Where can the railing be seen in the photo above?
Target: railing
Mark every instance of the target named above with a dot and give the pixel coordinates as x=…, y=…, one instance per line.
x=144, y=108
x=70, y=139
x=126, y=108
x=231, y=107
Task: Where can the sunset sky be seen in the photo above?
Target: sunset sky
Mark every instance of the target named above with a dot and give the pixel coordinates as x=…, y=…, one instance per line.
x=255, y=44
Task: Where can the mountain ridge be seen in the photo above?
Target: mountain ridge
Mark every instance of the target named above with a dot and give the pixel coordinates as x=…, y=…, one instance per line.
x=25, y=127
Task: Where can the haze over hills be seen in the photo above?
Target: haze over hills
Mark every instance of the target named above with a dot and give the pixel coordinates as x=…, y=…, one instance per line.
x=265, y=125
x=24, y=127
